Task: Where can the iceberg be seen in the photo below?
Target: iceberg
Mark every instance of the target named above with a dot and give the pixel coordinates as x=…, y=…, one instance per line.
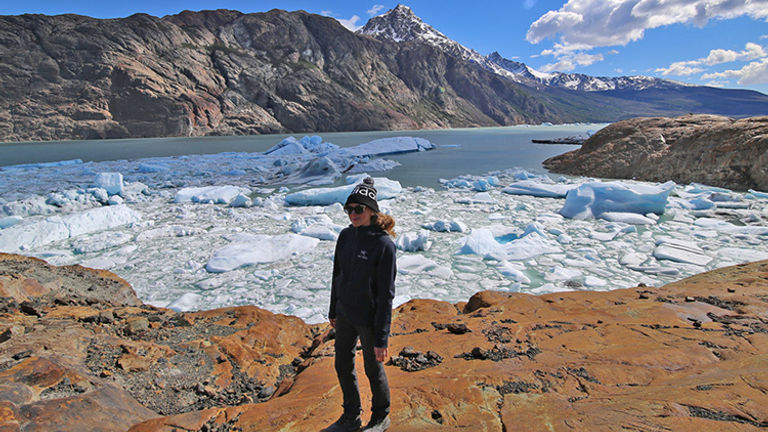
x=721, y=225
x=56, y=164
x=250, y=249
x=111, y=182
x=538, y=189
x=591, y=200
x=385, y=146
x=482, y=242
x=418, y=264
x=210, y=194
x=628, y=218
x=681, y=251
x=446, y=226
x=30, y=235
x=9, y=221
x=412, y=242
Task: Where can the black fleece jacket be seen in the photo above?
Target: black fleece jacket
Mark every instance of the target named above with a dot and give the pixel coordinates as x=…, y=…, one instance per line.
x=363, y=286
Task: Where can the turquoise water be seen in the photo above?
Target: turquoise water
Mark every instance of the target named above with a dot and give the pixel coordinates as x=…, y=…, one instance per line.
x=460, y=151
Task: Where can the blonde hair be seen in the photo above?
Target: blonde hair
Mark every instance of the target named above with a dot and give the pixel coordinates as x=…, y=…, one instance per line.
x=385, y=222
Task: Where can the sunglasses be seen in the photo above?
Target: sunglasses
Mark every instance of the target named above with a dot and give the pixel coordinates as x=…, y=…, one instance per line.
x=354, y=209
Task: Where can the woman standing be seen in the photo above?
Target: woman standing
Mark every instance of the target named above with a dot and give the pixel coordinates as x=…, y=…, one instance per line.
x=363, y=286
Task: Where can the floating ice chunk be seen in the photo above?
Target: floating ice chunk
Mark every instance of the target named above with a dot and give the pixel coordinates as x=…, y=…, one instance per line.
x=511, y=272
x=656, y=270
x=9, y=221
x=322, y=231
x=168, y=231
x=741, y=255
x=413, y=242
x=629, y=218
x=319, y=170
x=698, y=188
x=373, y=165
x=538, y=189
x=481, y=242
x=112, y=182
x=386, y=146
x=446, y=226
x=115, y=200
x=419, y=264
x=721, y=225
x=292, y=146
x=560, y=273
x=56, y=164
x=210, y=194
x=30, y=206
x=701, y=203
x=241, y=201
x=385, y=188
x=100, y=194
x=478, y=198
x=248, y=249
x=148, y=168
x=633, y=259
x=187, y=302
x=549, y=288
x=288, y=146
x=101, y=241
x=30, y=235
x=759, y=194
x=591, y=200
x=458, y=183
x=529, y=246
x=301, y=223
x=603, y=236
x=681, y=251
x=592, y=281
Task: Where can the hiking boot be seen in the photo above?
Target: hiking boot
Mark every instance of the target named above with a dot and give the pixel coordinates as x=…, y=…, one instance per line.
x=345, y=423
x=377, y=424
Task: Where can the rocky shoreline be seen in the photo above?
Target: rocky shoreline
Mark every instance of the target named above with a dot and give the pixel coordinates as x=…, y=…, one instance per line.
x=78, y=351
x=709, y=149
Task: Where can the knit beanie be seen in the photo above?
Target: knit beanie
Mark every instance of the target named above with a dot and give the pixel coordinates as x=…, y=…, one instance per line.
x=364, y=194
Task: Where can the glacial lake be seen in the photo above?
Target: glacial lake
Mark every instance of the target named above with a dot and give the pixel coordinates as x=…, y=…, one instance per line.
x=459, y=151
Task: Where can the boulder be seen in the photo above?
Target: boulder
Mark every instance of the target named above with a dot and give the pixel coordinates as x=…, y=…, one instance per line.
x=709, y=149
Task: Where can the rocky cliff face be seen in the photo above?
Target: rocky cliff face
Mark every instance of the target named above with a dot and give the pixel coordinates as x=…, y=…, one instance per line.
x=227, y=73
x=713, y=150
x=223, y=72
x=688, y=356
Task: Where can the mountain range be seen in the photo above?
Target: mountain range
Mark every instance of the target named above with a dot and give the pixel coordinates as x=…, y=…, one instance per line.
x=227, y=73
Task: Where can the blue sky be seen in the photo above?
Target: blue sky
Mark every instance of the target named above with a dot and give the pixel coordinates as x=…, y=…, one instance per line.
x=723, y=43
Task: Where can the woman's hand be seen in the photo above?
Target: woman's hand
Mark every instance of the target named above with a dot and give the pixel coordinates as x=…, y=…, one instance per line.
x=381, y=354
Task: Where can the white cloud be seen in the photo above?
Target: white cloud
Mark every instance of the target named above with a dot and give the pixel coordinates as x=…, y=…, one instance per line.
x=680, y=69
x=350, y=23
x=569, y=62
x=751, y=74
x=528, y=4
x=618, y=22
x=375, y=9
x=751, y=51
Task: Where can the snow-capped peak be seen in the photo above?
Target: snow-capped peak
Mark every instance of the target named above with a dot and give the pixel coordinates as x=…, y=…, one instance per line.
x=402, y=25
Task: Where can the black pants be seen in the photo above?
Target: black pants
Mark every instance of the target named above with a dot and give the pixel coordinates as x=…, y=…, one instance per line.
x=346, y=341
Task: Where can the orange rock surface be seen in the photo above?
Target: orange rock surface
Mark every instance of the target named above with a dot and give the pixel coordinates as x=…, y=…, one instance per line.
x=688, y=356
